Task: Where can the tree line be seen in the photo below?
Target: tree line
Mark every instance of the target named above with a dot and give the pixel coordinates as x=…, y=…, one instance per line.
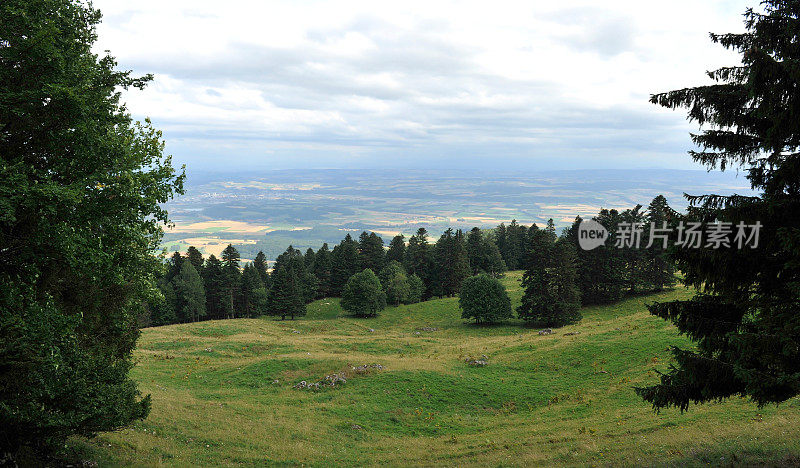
x=558, y=275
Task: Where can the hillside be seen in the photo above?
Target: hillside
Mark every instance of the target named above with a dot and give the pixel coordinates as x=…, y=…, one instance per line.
x=223, y=394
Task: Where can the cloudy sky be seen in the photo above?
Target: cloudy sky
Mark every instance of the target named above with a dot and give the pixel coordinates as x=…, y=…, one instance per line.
x=475, y=85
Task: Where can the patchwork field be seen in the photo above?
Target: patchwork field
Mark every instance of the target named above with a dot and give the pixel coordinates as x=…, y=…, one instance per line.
x=223, y=395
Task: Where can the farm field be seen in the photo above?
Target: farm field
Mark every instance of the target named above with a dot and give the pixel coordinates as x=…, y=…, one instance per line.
x=223, y=394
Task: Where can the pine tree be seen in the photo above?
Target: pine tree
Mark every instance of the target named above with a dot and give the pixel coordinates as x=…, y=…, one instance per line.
x=322, y=270
x=260, y=264
x=397, y=249
x=363, y=296
x=344, y=264
x=484, y=299
x=744, y=322
x=232, y=281
x=190, y=293
x=194, y=256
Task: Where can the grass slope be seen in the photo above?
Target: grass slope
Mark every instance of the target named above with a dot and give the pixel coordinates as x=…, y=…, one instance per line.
x=222, y=394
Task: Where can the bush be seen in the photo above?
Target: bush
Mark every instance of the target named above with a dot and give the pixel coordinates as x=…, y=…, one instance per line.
x=484, y=299
x=363, y=296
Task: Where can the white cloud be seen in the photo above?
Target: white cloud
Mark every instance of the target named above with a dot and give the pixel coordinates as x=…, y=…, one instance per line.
x=291, y=83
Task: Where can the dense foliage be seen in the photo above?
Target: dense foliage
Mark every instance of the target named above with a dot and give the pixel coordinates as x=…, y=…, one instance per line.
x=81, y=188
x=745, y=323
x=363, y=295
x=483, y=298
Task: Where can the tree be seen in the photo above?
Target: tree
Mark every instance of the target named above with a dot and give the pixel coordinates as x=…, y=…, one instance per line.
x=194, y=256
x=307, y=282
x=81, y=191
x=363, y=296
x=659, y=269
x=214, y=282
x=397, y=249
x=370, y=251
x=744, y=321
x=260, y=264
x=394, y=281
x=344, y=264
x=190, y=293
x=322, y=270
x=416, y=289
x=484, y=299
x=231, y=281
x=286, y=294
x=484, y=255
x=452, y=263
x=174, y=266
x=308, y=259
x=251, y=299
x=419, y=259
x=551, y=296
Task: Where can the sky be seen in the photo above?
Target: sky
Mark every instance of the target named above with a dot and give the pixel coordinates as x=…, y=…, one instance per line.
x=418, y=84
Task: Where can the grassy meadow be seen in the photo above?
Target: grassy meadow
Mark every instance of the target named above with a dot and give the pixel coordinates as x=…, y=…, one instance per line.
x=223, y=394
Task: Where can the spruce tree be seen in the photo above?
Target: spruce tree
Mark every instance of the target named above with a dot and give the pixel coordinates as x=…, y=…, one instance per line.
x=744, y=321
x=308, y=259
x=452, y=263
x=251, y=284
x=214, y=282
x=194, y=256
x=286, y=294
x=260, y=264
x=232, y=281
x=419, y=260
x=551, y=296
x=344, y=264
x=659, y=269
x=322, y=270
x=174, y=266
x=307, y=282
x=397, y=249
x=371, y=252
x=190, y=293
x=484, y=255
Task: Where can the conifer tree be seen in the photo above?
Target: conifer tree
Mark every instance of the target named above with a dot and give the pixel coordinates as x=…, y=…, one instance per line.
x=214, y=282
x=452, y=263
x=551, y=296
x=322, y=270
x=232, y=281
x=174, y=266
x=416, y=289
x=286, y=294
x=251, y=283
x=308, y=259
x=190, y=293
x=484, y=255
x=260, y=264
x=370, y=251
x=344, y=264
x=307, y=282
x=419, y=260
x=745, y=320
x=659, y=269
x=397, y=249
x=194, y=256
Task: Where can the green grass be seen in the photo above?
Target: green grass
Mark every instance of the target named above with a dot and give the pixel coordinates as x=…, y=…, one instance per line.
x=222, y=395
